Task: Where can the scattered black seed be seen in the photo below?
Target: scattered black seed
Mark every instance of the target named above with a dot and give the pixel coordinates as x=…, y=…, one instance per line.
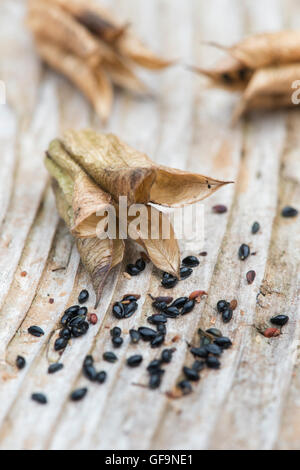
x=255, y=228
x=55, y=367
x=214, y=349
x=101, y=377
x=160, y=305
x=77, y=321
x=130, y=309
x=78, y=394
x=65, y=333
x=88, y=361
x=188, y=307
x=172, y=312
x=83, y=296
x=35, y=331
x=118, y=310
x=191, y=374
x=39, y=398
x=65, y=319
x=279, y=320
x=191, y=261
x=60, y=344
x=222, y=305
x=161, y=328
x=140, y=264
x=117, y=341
x=154, y=366
x=155, y=380
x=116, y=331
x=82, y=311
x=250, y=276
x=110, y=356
x=90, y=372
x=166, y=355
x=72, y=309
x=81, y=330
x=169, y=282
x=134, y=336
x=132, y=270
x=185, y=387
x=157, y=341
x=198, y=365
x=20, y=362
x=147, y=334
x=289, y=211
x=227, y=315
x=244, y=251
x=179, y=303
x=215, y=332
x=200, y=352
x=157, y=319
x=185, y=272
x=213, y=362
x=223, y=342
x=134, y=361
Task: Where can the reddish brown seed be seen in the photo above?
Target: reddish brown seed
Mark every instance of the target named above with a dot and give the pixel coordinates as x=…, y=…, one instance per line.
x=233, y=304
x=219, y=209
x=23, y=274
x=51, y=301
x=196, y=294
x=250, y=276
x=203, y=253
x=159, y=299
x=271, y=332
x=176, y=338
x=93, y=319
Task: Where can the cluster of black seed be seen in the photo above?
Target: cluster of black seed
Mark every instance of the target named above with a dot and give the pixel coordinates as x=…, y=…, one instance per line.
x=169, y=281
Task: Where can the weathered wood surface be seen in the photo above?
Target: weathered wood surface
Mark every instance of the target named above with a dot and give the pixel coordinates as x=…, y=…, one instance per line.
x=253, y=401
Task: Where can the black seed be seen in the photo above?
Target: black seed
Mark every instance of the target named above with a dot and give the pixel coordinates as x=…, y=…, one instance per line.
x=39, y=398
x=213, y=362
x=90, y=372
x=159, y=305
x=161, y=328
x=140, y=264
x=116, y=331
x=72, y=309
x=146, y=333
x=65, y=333
x=199, y=352
x=88, y=361
x=222, y=305
x=101, y=377
x=110, y=356
x=82, y=311
x=132, y=270
x=172, y=312
x=154, y=366
x=223, y=342
x=65, y=319
x=35, y=331
x=214, y=349
x=157, y=341
x=289, y=211
x=77, y=321
x=134, y=336
x=191, y=261
x=250, y=276
x=131, y=298
x=81, y=330
x=170, y=282
x=188, y=307
x=255, y=228
x=166, y=355
x=55, y=367
x=244, y=251
x=60, y=344
x=227, y=315
x=155, y=380
x=130, y=309
x=134, y=361
x=78, y=394
x=117, y=341
x=20, y=362
x=215, y=332
x=198, y=365
x=156, y=319
x=191, y=374
x=179, y=303
x=185, y=387
x=83, y=296
x=185, y=272
x=118, y=310
x=279, y=320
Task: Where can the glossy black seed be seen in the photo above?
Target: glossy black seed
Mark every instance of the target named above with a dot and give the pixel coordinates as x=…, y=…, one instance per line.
x=130, y=309
x=39, y=398
x=78, y=394
x=118, y=310
x=146, y=333
x=117, y=341
x=198, y=365
x=156, y=319
x=157, y=341
x=214, y=349
x=213, y=362
x=199, y=352
x=222, y=305
x=191, y=374
x=116, y=331
x=191, y=261
x=167, y=275
x=88, y=361
x=244, y=251
x=161, y=328
x=166, y=355
x=81, y=330
x=110, y=356
x=185, y=387
x=134, y=361
x=279, y=320
x=132, y=270
x=255, y=228
x=35, y=331
x=188, y=307
x=90, y=372
x=155, y=380
x=130, y=297
x=82, y=311
x=215, y=332
x=77, y=321
x=83, y=296
x=227, y=315
x=140, y=264
x=204, y=341
x=72, y=309
x=60, y=344
x=65, y=319
x=134, y=336
x=55, y=367
x=160, y=306
x=289, y=211
x=65, y=333
x=154, y=366
x=179, y=303
x=172, y=312
x=101, y=377
x=20, y=362
x=185, y=272
x=223, y=342
x=170, y=282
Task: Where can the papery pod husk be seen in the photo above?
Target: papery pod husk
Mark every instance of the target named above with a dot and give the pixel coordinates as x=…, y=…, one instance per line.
x=121, y=170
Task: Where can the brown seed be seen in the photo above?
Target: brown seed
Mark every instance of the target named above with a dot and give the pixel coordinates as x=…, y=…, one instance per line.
x=51, y=301
x=176, y=338
x=197, y=294
x=203, y=253
x=219, y=209
x=271, y=332
x=233, y=304
x=23, y=274
x=250, y=276
x=93, y=319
